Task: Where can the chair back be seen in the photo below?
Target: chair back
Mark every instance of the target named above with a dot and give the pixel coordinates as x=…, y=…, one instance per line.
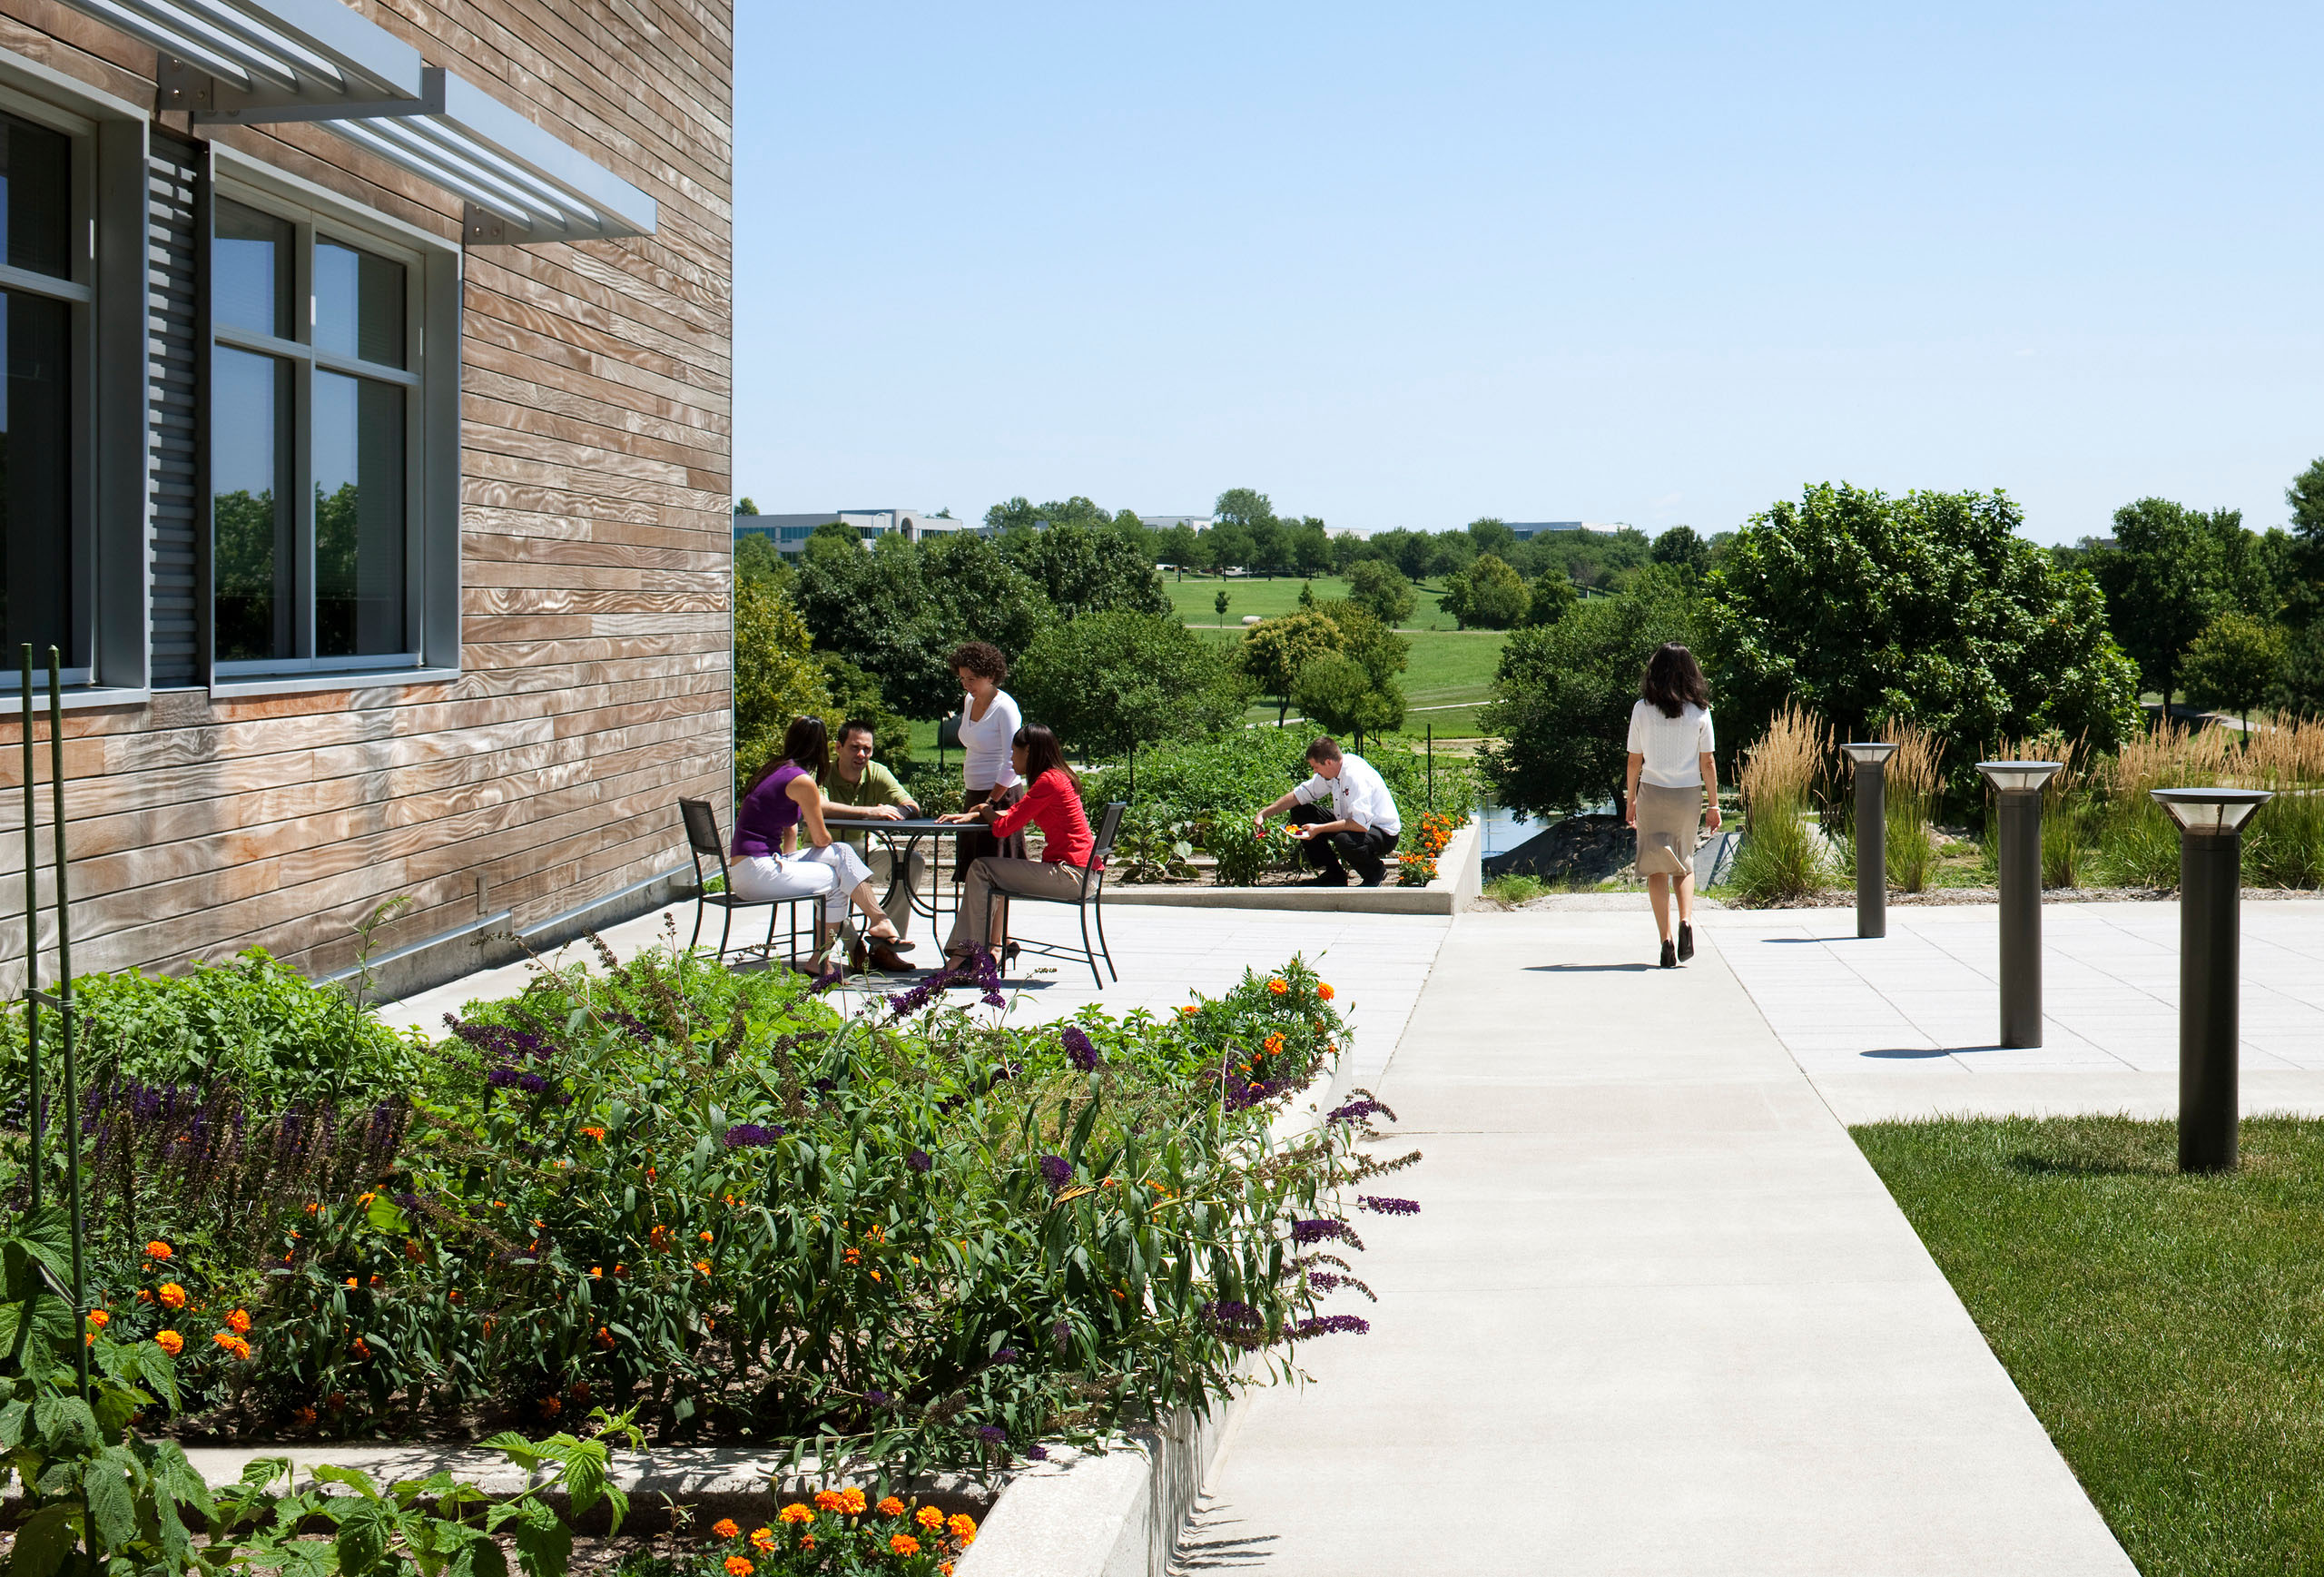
x=701, y=827
x=1109, y=825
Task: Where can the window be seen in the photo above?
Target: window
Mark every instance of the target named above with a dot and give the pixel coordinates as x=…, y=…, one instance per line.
x=38, y=513
x=314, y=441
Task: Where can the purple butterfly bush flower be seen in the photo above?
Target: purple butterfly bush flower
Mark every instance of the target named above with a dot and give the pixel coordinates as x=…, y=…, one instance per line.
x=1323, y=1229
x=746, y=1135
x=1007, y=1355
x=877, y=1398
x=531, y=1083
x=918, y=1160
x=991, y=1433
x=1057, y=1171
x=1036, y=1454
x=1079, y=1050
x=1379, y=1206
x=1330, y=1325
x=501, y=1077
x=824, y=982
x=1355, y=1111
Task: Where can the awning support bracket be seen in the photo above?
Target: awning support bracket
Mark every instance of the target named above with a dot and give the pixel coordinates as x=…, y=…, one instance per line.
x=209, y=101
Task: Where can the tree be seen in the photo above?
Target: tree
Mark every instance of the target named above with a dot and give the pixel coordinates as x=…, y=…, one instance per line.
x=1274, y=650
x=2172, y=571
x=1084, y=571
x=776, y=675
x=1220, y=603
x=745, y=507
x=1378, y=587
x=756, y=557
x=899, y=612
x=1310, y=546
x=1550, y=599
x=1487, y=596
x=1562, y=693
x=1107, y=681
x=1334, y=692
x=1409, y=551
x=1249, y=513
x=1491, y=535
x=1926, y=608
x=2233, y=664
x=1181, y=546
x=1229, y=545
x=1680, y=548
x=1306, y=594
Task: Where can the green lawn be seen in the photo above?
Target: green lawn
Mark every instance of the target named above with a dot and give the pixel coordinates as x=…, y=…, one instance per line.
x=1195, y=596
x=2167, y=1330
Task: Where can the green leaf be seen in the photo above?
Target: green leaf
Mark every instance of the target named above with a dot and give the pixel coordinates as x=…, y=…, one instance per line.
x=386, y=1215
x=366, y=1537
x=44, y=1542
x=65, y=1423
x=353, y=1478
x=516, y=1447
x=113, y=1511
x=544, y=1543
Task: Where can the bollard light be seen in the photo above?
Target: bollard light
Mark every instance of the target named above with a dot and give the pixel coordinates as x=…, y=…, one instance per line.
x=2211, y=894
x=2020, y=785
x=1871, y=759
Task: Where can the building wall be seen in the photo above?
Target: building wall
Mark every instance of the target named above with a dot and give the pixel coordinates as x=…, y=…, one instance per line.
x=595, y=540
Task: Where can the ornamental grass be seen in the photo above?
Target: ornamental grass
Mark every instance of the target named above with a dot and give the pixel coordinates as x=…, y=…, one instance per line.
x=1783, y=857
x=888, y=1230
x=1915, y=776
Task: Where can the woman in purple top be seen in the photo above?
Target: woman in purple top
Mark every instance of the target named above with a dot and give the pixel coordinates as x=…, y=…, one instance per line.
x=768, y=864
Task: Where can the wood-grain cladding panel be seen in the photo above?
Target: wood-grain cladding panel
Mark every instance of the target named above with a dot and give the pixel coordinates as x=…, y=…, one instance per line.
x=596, y=548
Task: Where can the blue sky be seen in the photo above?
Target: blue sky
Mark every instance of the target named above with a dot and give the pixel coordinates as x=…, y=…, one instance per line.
x=1409, y=266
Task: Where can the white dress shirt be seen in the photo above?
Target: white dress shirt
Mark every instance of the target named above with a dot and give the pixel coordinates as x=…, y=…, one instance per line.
x=1357, y=793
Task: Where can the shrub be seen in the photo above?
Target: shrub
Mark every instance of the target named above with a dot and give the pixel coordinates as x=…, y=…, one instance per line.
x=1381, y=591
x=1147, y=850
x=1245, y=854
x=1515, y=889
x=1782, y=857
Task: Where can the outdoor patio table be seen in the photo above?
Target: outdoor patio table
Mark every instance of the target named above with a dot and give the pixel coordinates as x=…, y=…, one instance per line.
x=900, y=838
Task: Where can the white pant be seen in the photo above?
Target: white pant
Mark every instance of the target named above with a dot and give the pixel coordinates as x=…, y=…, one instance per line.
x=832, y=872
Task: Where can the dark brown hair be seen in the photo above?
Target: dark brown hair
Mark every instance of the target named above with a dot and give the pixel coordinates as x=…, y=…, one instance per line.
x=1325, y=749
x=806, y=744
x=1043, y=754
x=981, y=658
x=1673, y=680
x=851, y=725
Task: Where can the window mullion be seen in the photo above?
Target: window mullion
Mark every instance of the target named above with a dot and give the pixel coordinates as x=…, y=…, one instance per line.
x=303, y=441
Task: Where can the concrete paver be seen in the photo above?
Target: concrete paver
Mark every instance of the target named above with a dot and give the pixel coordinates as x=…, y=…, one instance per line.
x=1658, y=1315
x=1904, y=1026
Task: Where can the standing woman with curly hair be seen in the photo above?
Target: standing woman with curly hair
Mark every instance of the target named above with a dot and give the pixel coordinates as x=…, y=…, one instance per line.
x=1671, y=774
x=989, y=722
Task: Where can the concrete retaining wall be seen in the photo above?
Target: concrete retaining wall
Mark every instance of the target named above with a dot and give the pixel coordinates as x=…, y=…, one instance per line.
x=1459, y=874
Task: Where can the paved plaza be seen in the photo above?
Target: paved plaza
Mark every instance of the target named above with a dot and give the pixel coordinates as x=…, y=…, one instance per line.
x=1904, y=1026
x=1378, y=962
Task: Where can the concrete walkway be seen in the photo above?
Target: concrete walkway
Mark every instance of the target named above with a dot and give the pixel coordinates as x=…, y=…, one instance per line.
x=1658, y=1315
x=1904, y=1026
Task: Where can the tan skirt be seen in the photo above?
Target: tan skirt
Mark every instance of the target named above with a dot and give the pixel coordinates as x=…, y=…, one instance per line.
x=1670, y=823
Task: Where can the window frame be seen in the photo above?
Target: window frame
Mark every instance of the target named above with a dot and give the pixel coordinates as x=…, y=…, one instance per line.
x=432, y=289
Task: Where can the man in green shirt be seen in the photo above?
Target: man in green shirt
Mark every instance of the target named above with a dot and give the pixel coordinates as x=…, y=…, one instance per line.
x=861, y=789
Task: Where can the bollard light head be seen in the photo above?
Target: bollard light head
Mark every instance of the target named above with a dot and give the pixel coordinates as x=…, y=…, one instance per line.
x=2016, y=775
x=1870, y=752
x=2210, y=810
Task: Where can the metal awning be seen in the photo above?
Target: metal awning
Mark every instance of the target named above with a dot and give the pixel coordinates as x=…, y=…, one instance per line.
x=254, y=62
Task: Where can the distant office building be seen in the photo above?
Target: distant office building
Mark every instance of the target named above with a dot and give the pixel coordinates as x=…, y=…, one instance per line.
x=1528, y=530
x=1170, y=522
x=789, y=533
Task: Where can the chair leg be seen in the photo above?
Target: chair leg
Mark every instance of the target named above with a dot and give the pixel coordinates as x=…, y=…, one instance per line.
x=1101, y=939
x=1085, y=950
x=698, y=918
x=726, y=930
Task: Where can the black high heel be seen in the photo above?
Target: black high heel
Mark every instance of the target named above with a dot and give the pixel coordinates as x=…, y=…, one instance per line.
x=1007, y=953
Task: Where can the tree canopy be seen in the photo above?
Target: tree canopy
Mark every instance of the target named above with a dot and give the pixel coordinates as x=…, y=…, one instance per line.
x=1084, y=570
x=2170, y=572
x=1486, y=596
x=1379, y=587
x=1110, y=680
x=1274, y=650
x=1927, y=607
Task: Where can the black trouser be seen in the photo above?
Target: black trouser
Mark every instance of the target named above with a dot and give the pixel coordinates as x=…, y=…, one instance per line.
x=1365, y=851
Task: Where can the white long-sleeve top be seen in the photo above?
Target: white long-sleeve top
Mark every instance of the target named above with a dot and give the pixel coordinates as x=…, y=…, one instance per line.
x=1673, y=746
x=1358, y=794
x=987, y=762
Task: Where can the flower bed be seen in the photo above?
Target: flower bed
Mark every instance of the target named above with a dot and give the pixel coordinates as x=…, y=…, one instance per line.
x=906, y=1238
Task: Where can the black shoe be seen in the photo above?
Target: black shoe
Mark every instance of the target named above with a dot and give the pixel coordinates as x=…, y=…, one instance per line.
x=1669, y=956
x=1685, y=942
x=1375, y=880
x=1328, y=879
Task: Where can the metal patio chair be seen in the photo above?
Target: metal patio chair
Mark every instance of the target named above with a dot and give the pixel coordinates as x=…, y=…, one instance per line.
x=703, y=839
x=1090, y=900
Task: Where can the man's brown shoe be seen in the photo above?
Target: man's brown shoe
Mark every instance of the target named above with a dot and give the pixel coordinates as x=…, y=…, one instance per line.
x=885, y=957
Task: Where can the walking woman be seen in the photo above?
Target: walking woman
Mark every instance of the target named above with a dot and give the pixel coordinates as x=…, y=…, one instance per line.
x=1051, y=801
x=1671, y=774
x=988, y=724
x=784, y=796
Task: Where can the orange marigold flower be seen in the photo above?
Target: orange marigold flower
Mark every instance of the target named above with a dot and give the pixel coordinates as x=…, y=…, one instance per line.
x=763, y=1541
x=99, y=1318
x=232, y=1343
x=169, y=1341
x=1278, y=985
x=171, y=1295
x=596, y=1273
x=1324, y=992
x=336, y=1401
x=795, y=1513
x=1189, y=1010
x=603, y=1339
x=929, y=1517
x=706, y=1237
x=890, y=1506
x=724, y=1527
x=851, y=1501
x=412, y=1251
x=313, y=1206
x=454, y=1295
x=238, y=1322
x=903, y=1544
x=827, y=1500
x=157, y=1249
x=598, y=1133
x=702, y=1266
x=365, y=1198
x=551, y=1406
x=1275, y=1045
x=143, y=1296
x=360, y=1348
x=738, y=1567
x=852, y=1255
x=962, y=1527
x=622, y=1272
x=304, y=1418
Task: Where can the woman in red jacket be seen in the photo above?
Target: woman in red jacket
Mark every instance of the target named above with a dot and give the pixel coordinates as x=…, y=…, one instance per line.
x=1051, y=801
